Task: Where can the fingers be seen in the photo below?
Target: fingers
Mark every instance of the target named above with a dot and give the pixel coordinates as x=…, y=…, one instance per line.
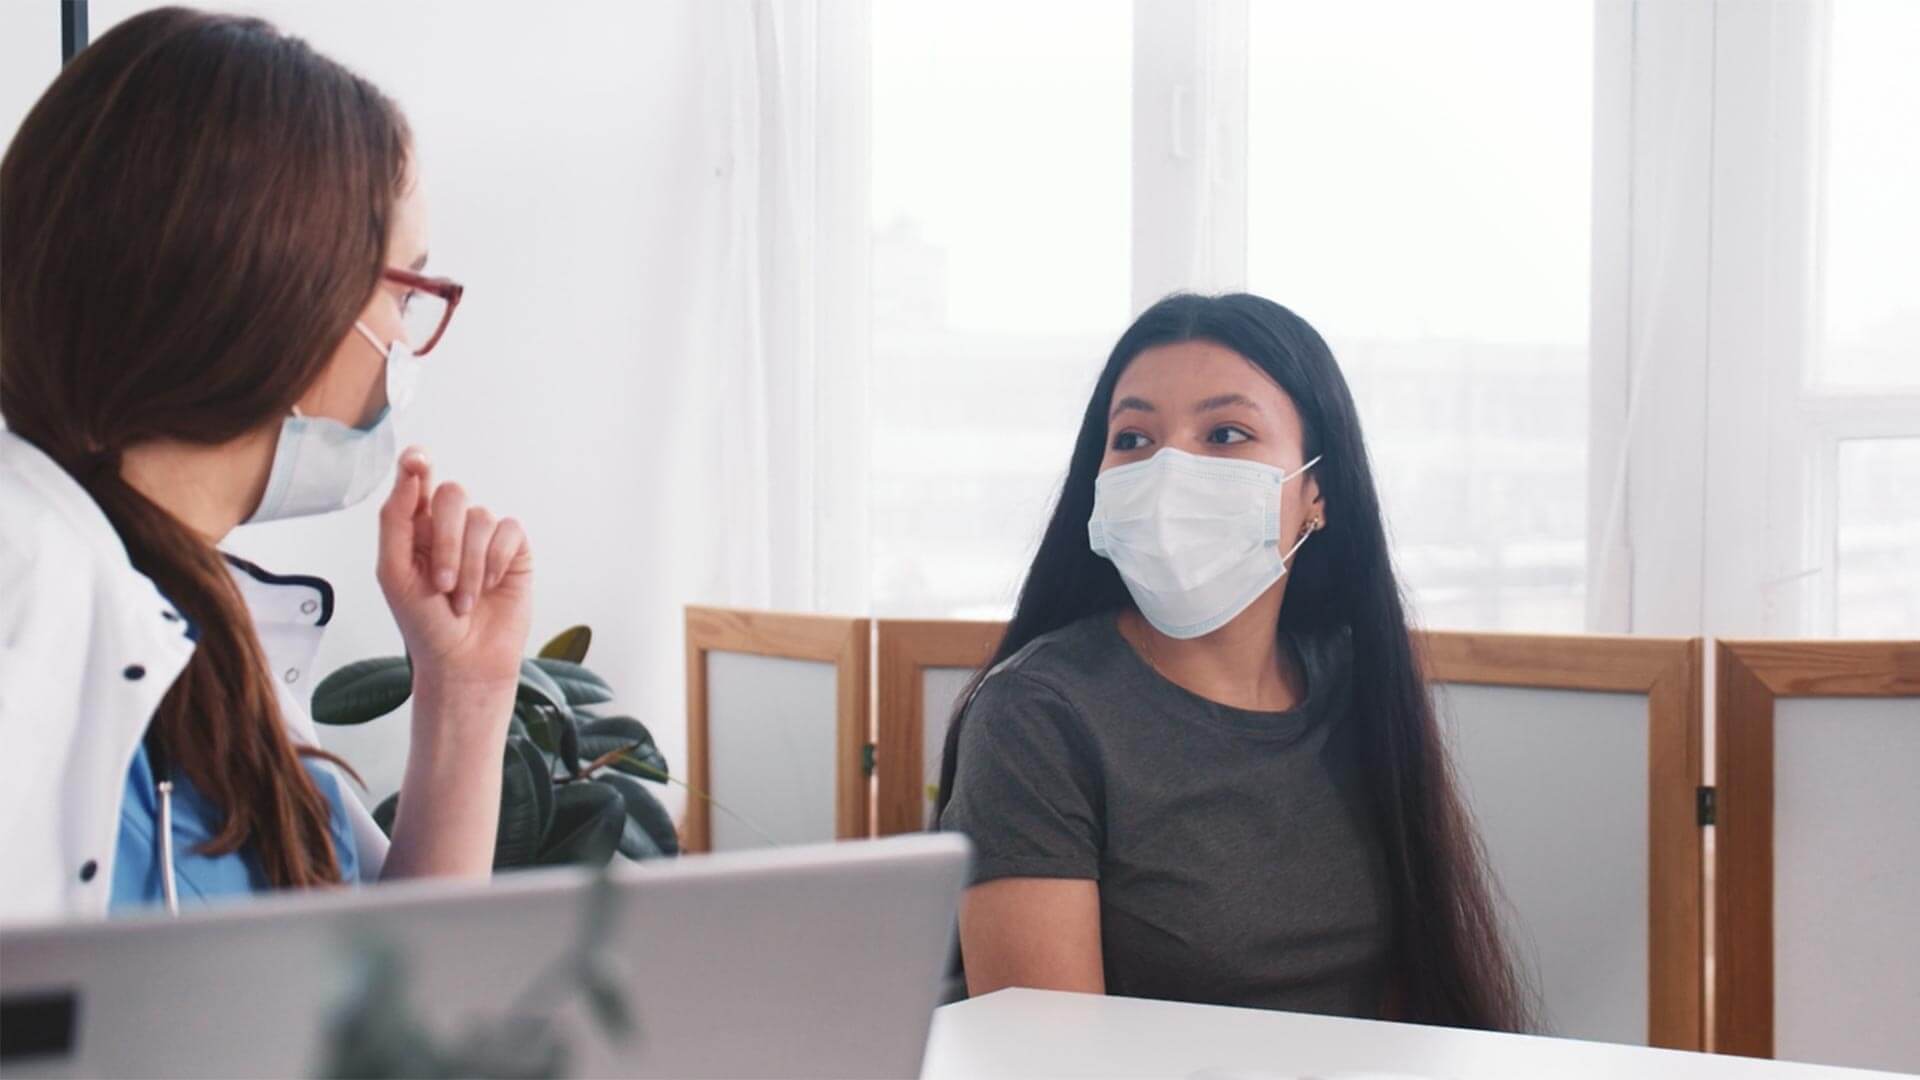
x=449, y=513
x=507, y=552
x=473, y=559
x=397, y=513
x=457, y=549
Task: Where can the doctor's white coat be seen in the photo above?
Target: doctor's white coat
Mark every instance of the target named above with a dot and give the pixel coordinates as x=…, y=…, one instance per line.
x=88, y=647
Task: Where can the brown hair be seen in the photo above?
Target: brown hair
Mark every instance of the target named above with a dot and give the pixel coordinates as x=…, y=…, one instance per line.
x=191, y=218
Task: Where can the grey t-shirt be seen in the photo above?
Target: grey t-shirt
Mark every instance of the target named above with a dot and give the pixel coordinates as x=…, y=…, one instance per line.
x=1236, y=863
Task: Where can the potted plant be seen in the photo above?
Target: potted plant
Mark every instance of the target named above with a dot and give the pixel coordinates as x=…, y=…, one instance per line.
x=572, y=775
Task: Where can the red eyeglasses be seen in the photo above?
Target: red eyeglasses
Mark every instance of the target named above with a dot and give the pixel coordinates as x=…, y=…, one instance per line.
x=426, y=307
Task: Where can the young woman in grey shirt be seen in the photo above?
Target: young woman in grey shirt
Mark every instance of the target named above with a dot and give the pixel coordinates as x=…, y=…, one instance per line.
x=1203, y=764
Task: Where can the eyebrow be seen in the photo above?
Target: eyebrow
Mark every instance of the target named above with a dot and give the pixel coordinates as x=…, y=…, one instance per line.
x=1221, y=401
x=1134, y=403
x=420, y=263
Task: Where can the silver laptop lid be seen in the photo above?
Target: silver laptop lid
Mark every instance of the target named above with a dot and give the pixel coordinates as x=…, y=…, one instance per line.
x=812, y=961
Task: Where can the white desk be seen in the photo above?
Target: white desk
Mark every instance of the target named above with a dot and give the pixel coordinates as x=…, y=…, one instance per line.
x=1030, y=1033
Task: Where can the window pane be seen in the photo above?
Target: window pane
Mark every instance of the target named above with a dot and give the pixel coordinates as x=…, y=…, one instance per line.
x=1421, y=180
x=1000, y=279
x=1870, y=220
x=1877, y=541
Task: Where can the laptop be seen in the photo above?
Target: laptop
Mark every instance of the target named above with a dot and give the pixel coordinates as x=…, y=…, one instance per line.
x=808, y=961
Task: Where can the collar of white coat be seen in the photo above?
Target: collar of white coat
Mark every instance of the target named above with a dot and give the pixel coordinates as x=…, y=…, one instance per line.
x=286, y=602
x=127, y=644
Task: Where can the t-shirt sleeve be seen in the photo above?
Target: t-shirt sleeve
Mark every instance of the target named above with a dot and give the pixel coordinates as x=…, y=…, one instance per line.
x=1026, y=788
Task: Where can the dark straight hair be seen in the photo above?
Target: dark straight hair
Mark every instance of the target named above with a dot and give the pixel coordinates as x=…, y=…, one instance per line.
x=191, y=218
x=1448, y=962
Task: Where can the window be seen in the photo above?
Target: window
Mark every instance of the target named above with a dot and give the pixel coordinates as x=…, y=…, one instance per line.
x=1877, y=539
x=1869, y=219
x=1000, y=280
x=1419, y=189
x=1852, y=426
x=1867, y=347
x=1664, y=250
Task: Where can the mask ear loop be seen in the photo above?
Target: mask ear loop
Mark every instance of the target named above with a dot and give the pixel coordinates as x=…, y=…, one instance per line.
x=383, y=350
x=1307, y=533
x=1301, y=469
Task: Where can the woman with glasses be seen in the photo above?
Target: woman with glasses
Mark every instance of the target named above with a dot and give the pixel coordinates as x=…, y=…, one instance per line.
x=212, y=302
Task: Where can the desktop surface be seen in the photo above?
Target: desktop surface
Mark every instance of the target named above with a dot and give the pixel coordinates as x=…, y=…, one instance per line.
x=1027, y=1033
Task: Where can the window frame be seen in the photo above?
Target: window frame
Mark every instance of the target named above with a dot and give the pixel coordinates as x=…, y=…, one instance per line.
x=1704, y=431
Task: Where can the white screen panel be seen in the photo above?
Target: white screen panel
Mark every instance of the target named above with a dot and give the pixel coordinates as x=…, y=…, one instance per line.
x=940, y=690
x=1846, y=882
x=1557, y=780
x=772, y=736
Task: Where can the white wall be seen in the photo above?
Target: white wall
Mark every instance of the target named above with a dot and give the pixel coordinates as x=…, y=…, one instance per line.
x=29, y=56
x=578, y=165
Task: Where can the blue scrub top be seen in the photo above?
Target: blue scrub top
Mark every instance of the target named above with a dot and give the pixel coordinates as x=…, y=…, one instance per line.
x=200, y=878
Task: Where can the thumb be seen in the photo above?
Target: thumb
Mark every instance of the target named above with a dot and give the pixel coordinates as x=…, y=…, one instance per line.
x=397, y=513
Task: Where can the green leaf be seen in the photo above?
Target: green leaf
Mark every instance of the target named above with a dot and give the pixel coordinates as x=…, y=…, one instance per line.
x=570, y=644
x=383, y=814
x=533, y=722
x=603, y=734
x=587, y=821
x=581, y=685
x=649, y=828
x=363, y=690
x=636, y=845
x=569, y=743
x=527, y=805
x=538, y=688
x=554, y=734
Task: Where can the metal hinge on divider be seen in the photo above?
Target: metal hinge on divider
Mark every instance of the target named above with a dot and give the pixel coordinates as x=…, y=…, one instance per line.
x=868, y=754
x=1705, y=805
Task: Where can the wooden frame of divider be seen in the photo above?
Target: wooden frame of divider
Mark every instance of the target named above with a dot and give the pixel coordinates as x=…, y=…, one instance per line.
x=843, y=642
x=1751, y=676
x=1668, y=671
x=906, y=648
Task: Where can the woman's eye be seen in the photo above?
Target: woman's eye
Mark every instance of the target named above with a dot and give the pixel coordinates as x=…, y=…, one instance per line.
x=1129, y=440
x=1227, y=436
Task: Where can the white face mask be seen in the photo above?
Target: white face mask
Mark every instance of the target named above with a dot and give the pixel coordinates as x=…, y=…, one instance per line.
x=322, y=465
x=1196, y=539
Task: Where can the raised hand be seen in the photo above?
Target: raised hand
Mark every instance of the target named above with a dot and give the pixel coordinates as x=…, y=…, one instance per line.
x=459, y=581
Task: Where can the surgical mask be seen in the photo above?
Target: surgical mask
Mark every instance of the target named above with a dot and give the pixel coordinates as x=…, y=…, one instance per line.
x=1196, y=539
x=322, y=465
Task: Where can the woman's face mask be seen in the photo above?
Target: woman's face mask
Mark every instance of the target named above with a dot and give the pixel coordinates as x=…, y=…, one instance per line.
x=1196, y=539
x=1196, y=504
x=322, y=465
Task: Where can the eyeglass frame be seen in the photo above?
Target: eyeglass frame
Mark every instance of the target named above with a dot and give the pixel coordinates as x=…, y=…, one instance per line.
x=446, y=289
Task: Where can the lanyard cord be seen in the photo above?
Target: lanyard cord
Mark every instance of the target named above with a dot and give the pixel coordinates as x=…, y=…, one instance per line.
x=163, y=788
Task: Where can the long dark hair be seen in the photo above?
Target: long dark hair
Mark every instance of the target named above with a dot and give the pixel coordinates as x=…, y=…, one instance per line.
x=191, y=218
x=1449, y=964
